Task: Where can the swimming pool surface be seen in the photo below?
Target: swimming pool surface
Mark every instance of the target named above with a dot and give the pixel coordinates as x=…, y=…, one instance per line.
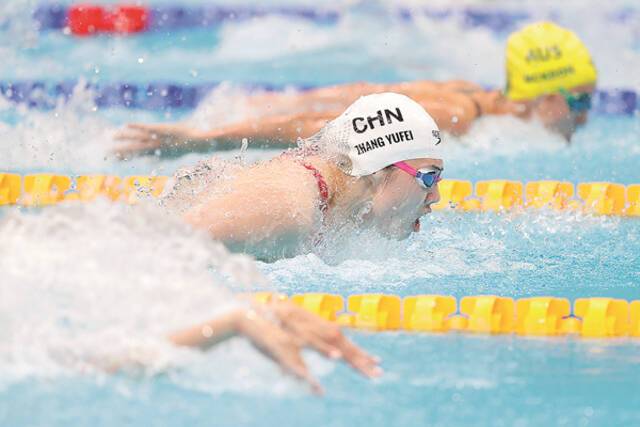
x=78, y=281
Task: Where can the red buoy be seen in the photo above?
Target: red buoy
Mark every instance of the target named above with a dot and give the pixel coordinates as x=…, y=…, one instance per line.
x=84, y=20
x=130, y=19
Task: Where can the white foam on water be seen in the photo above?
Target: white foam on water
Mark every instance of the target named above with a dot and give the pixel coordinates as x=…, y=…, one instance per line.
x=368, y=259
x=71, y=136
x=84, y=287
x=420, y=48
x=494, y=136
x=449, y=245
x=295, y=36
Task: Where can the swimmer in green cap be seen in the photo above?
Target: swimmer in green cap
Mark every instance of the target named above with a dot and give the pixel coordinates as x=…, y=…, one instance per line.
x=550, y=76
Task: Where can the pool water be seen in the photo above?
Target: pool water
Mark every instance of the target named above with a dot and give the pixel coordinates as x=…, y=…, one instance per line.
x=79, y=283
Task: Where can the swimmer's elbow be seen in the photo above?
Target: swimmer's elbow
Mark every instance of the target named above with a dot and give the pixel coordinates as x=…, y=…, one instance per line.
x=460, y=127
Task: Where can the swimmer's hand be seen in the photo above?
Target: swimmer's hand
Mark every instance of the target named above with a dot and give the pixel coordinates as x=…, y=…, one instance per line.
x=281, y=330
x=141, y=139
x=277, y=343
x=325, y=337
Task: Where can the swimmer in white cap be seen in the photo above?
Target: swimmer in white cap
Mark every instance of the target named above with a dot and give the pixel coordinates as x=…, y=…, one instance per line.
x=376, y=166
x=550, y=77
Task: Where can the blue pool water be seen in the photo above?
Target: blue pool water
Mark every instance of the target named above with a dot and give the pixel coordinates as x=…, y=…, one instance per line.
x=79, y=282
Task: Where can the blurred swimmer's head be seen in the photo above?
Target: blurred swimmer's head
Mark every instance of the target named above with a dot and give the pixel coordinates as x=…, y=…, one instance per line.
x=550, y=71
x=390, y=151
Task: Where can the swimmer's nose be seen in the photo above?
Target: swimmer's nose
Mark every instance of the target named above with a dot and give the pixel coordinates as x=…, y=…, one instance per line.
x=433, y=196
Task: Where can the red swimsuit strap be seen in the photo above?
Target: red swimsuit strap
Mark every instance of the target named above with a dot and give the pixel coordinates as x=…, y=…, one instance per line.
x=322, y=186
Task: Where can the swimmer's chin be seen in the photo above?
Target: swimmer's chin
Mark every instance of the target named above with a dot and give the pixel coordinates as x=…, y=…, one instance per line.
x=404, y=231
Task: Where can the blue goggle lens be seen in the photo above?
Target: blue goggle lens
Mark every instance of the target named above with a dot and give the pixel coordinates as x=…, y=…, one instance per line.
x=428, y=179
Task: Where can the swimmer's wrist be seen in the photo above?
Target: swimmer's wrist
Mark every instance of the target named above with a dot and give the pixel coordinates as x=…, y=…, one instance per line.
x=245, y=321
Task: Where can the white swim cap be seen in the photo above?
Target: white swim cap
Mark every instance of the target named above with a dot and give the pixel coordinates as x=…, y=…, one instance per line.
x=379, y=130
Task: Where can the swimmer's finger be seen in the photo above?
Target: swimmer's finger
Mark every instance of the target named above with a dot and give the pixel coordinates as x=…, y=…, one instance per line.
x=359, y=359
x=300, y=370
x=319, y=344
x=290, y=359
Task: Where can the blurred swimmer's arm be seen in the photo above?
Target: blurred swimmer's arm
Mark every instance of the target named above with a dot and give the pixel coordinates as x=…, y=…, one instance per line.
x=452, y=114
x=208, y=333
x=282, y=130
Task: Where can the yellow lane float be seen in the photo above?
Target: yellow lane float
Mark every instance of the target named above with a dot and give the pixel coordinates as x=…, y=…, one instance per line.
x=488, y=314
x=541, y=315
x=481, y=314
x=9, y=188
x=428, y=313
x=453, y=193
x=633, y=200
x=376, y=312
x=44, y=189
x=602, y=317
x=548, y=194
x=324, y=305
x=596, y=198
x=602, y=198
x=498, y=195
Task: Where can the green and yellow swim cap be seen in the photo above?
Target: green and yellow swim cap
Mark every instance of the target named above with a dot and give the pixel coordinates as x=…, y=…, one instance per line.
x=543, y=58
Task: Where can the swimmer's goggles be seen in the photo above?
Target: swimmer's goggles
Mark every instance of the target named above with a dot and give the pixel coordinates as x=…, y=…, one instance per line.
x=577, y=103
x=426, y=178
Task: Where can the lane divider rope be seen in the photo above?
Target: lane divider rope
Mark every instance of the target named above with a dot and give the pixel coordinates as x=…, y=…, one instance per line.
x=599, y=198
x=88, y=19
x=166, y=96
x=484, y=314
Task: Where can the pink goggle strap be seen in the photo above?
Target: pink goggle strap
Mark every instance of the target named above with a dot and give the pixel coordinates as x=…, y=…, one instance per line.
x=405, y=167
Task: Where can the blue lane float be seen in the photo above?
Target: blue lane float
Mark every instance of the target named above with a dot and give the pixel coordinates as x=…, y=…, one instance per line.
x=53, y=16
x=163, y=96
x=175, y=17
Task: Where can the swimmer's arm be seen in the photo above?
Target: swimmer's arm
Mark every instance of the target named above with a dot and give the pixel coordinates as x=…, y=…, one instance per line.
x=281, y=130
x=454, y=112
x=209, y=333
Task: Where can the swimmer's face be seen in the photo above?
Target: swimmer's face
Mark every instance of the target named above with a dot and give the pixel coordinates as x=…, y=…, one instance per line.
x=554, y=112
x=401, y=201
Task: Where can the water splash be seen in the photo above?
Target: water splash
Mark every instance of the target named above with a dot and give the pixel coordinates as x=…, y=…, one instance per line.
x=84, y=287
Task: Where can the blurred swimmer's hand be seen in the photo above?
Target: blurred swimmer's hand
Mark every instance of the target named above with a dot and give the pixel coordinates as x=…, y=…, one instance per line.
x=143, y=139
x=277, y=343
x=281, y=330
x=259, y=327
x=325, y=337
